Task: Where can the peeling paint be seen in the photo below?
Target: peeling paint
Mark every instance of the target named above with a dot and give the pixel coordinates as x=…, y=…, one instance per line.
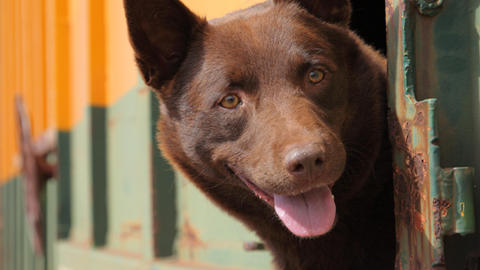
x=429, y=7
x=430, y=202
x=190, y=239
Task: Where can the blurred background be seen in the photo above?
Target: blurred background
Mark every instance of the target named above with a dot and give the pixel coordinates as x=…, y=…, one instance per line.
x=82, y=184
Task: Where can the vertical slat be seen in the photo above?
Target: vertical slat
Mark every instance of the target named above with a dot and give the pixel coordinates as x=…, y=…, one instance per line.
x=99, y=165
x=11, y=84
x=62, y=65
x=11, y=227
x=17, y=231
x=20, y=227
x=8, y=218
x=80, y=128
x=3, y=86
x=64, y=185
x=98, y=118
x=24, y=57
x=40, y=260
x=50, y=74
x=6, y=227
x=27, y=248
x=163, y=182
x=98, y=91
x=37, y=62
x=43, y=63
x=61, y=69
x=120, y=67
x=129, y=172
x=51, y=224
x=8, y=85
x=3, y=239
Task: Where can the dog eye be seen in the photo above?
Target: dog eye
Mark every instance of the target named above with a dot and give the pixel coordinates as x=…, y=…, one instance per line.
x=230, y=102
x=315, y=76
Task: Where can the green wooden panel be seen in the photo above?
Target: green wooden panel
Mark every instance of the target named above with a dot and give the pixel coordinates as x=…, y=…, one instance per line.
x=16, y=246
x=99, y=175
x=19, y=223
x=3, y=227
x=164, y=196
x=9, y=225
x=81, y=182
x=150, y=213
x=130, y=174
x=209, y=235
x=64, y=183
x=73, y=257
x=51, y=220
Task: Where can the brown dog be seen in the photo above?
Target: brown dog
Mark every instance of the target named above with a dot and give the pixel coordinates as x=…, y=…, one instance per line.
x=271, y=111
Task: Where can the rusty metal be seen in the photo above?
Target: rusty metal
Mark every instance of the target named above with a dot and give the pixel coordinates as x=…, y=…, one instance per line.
x=429, y=7
x=190, y=239
x=430, y=202
x=35, y=172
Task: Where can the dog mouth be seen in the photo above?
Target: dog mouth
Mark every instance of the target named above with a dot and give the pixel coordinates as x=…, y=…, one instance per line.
x=263, y=195
x=308, y=214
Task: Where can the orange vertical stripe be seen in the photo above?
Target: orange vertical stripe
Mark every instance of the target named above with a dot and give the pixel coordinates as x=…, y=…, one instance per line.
x=3, y=89
x=50, y=74
x=23, y=64
x=37, y=68
x=24, y=71
x=43, y=63
x=121, y=70
x=16, y=53
x=98, y=93
x=80, y=68
x=62, y=65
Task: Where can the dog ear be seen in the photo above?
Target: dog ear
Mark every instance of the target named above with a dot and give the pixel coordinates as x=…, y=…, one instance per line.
x=160, y=33
x=332, y=11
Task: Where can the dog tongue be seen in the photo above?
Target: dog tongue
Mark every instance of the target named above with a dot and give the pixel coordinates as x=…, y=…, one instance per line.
x=308, y=214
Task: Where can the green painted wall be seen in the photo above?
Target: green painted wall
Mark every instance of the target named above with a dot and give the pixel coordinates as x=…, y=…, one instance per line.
x=128, y=208
x=16, y=248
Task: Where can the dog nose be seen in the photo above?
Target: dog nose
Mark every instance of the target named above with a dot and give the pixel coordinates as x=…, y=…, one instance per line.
x=305, y=162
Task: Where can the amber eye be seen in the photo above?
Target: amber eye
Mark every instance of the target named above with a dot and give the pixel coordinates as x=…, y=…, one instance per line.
x=230, y=102
x=316, y=76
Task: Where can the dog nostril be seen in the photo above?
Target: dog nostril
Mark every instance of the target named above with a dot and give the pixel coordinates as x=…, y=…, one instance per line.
x=298, y=168
x=318, y=162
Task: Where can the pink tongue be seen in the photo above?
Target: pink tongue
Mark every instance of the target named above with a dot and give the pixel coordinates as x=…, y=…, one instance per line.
x=308, y=214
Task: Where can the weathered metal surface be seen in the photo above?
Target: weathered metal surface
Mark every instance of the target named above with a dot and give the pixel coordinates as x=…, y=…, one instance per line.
x=33, y=184
x=430, y=202
x=429, y=7
x=35, y=171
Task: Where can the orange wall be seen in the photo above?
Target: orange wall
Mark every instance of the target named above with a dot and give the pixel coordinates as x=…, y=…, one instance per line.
x=217, y=8
x=22, y=71
x=63, y=55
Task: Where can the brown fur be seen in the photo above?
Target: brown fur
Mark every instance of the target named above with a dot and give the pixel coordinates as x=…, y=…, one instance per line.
x=262, y=55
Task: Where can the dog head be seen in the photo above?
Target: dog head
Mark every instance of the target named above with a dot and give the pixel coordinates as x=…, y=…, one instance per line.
x=280, y=101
